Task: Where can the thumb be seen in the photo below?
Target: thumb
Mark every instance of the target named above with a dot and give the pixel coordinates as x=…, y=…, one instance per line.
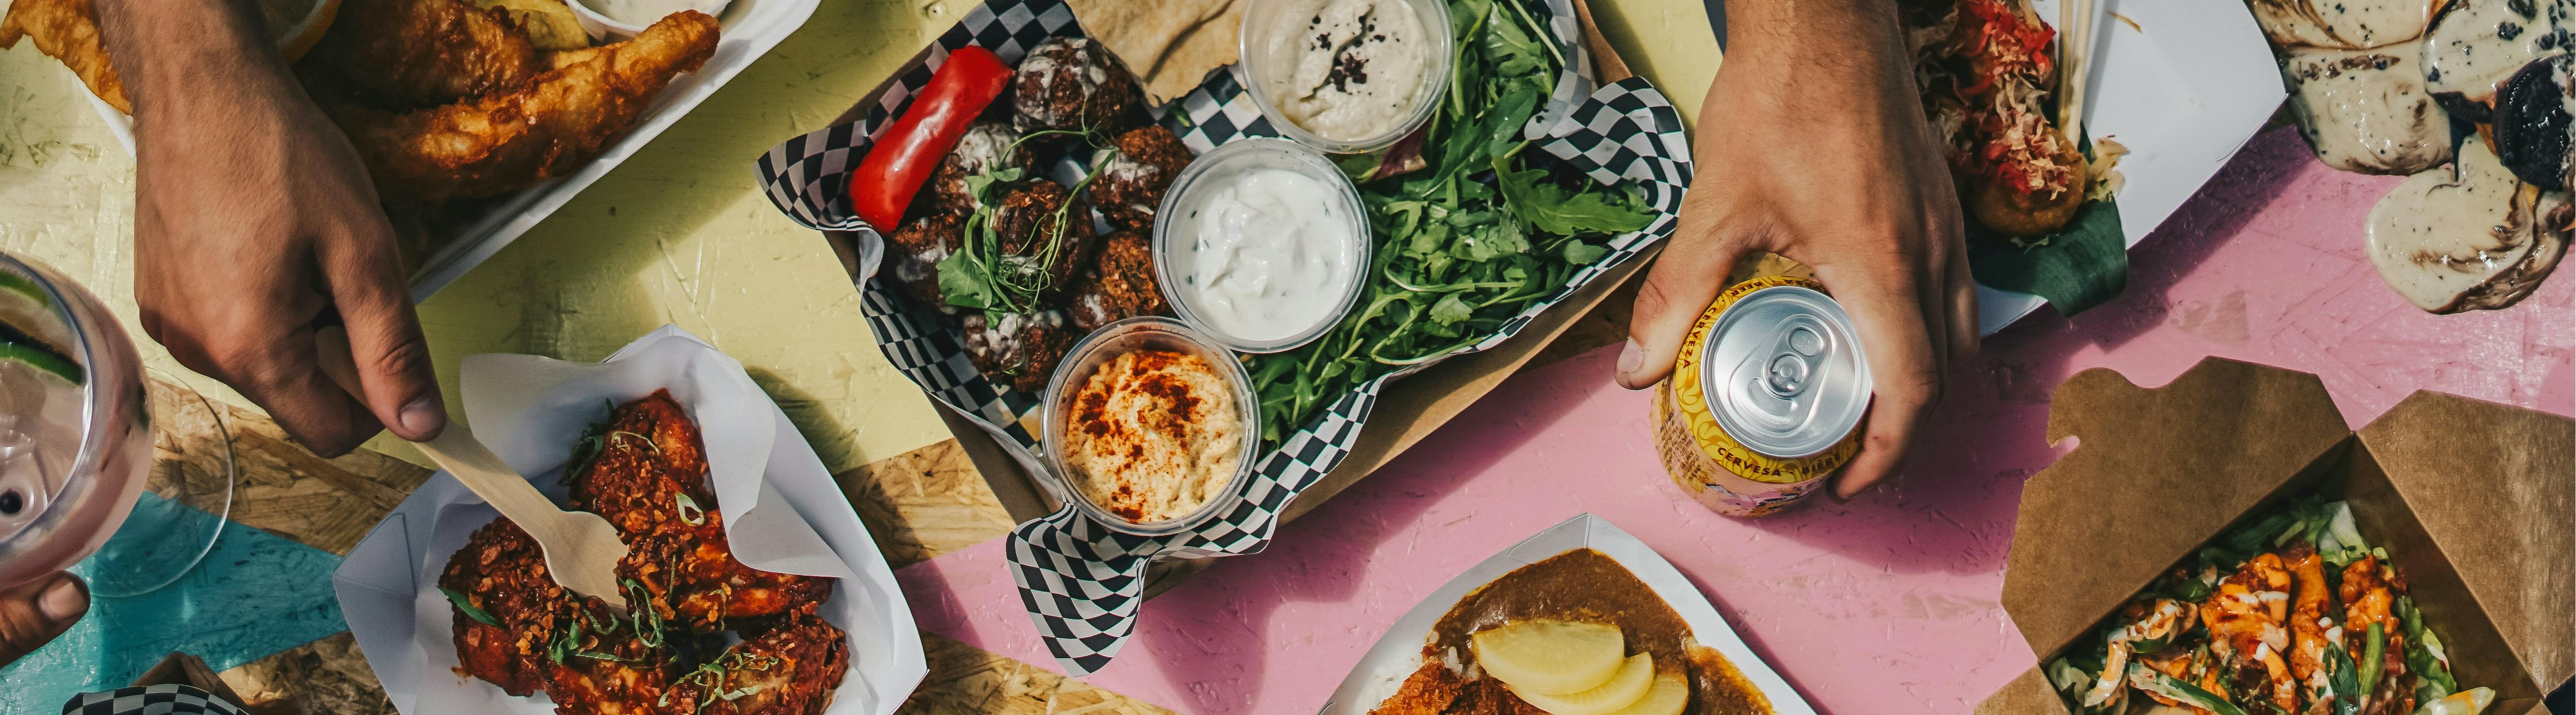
x=385, y=342
x=1678, y=289
x=31, y=614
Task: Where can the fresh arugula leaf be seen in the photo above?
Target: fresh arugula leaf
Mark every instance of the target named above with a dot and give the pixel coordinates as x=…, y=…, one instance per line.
x=1583, y=254
x=1555, y=210
x=1450, y=310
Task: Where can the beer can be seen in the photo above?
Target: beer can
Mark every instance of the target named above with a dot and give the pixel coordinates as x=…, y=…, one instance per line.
x=1765, y=399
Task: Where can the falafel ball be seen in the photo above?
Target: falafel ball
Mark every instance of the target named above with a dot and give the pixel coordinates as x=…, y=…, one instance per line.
x=1018, y=348
x=917, y=249
x=986, y=146
x=1131, y=184
x=1072, y=83
x=1042, y=234
x=1120, y=285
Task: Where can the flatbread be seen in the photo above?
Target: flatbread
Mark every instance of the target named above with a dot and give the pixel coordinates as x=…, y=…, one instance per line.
x=1169, y=44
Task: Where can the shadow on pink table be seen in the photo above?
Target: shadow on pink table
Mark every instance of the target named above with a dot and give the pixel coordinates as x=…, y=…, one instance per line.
x=1886, y=604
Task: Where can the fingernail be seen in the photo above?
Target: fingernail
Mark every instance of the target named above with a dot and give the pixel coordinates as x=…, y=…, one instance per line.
x=1631, y=357
x=424, y=416
x=63, y=601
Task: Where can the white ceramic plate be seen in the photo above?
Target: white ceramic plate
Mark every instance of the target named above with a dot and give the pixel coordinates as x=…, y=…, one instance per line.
x=751, y=27
x=782, y=513
x=1398, y=653
x=2183, y=84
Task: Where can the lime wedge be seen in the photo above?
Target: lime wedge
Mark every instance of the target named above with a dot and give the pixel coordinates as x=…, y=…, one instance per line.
x=43, y=360
x=27, y=315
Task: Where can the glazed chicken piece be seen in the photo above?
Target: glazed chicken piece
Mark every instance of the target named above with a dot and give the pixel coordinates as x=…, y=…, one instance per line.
x=791, y=668
x=420, y=53
x=615, y=664
x=549, y=126
x=648, y=477
x=2245, y=619
x=502, y=573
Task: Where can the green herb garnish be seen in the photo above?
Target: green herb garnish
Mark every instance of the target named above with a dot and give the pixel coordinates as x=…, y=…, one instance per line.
x=467, y=606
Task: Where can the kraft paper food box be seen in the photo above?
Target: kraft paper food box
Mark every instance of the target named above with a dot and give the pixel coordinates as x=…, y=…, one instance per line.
x=2474, y=501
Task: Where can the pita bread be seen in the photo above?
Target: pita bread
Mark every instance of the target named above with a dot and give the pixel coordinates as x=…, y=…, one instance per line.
x=1169, y=44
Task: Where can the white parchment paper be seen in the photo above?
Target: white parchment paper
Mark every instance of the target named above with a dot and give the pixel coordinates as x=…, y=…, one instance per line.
x=782, y=513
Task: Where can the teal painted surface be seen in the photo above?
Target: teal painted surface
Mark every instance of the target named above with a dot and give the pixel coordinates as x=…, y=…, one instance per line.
x=255, y=594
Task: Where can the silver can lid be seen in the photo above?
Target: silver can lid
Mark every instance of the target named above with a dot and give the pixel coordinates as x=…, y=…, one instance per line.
x=1784, y=372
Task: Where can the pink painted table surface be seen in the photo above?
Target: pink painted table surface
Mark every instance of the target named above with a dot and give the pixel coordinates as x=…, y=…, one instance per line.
x=1883, y=605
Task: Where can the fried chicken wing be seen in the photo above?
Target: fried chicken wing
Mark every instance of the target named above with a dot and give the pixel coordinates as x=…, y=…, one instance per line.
x=647, y=476
x=551, y=125
x=502, y=574
x=418, y=53
x=789, y=669
x=64, y=31
x=613, y=664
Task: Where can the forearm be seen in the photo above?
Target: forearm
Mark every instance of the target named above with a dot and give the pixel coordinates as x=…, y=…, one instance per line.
x=1831, y=61
x=183, y=57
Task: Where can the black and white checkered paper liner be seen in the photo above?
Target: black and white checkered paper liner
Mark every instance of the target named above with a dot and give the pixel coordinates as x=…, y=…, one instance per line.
x=1082, y=581
x=150, y=700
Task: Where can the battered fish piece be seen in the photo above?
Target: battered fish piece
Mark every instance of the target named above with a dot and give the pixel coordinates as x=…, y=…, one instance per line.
x=63, y=30
x=502, y=573
x=557, y=121
x=421, y=53
x=790, y=669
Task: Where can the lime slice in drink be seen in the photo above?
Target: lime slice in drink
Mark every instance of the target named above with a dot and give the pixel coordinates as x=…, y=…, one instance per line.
x=28, y=312
x=43, y=360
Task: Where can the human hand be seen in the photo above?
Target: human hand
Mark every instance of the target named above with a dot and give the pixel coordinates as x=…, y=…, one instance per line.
x=254, y=220
x=1813, y=146
x=33, y=613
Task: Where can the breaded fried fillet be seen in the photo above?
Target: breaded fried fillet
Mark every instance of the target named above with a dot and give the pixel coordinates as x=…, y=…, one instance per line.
x=427, y=52
x=64, y=31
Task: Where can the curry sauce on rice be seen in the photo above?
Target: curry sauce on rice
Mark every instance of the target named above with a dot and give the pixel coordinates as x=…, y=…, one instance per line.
x=1153, y=435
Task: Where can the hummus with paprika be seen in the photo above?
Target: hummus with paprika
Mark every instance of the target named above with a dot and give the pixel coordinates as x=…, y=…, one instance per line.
x=1153, y=436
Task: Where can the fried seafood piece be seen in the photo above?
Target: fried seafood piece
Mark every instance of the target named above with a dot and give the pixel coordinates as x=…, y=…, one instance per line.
x=1130, y=186
x=691, y=569
x=549, y=126
x=1120, y=285
x=985, y=147
x=64, y=30
x=1428, y=691
x=419, y=53
x=1072, y=83
x=502, y=573
x=915, y=251
x=1018, y=348
x=790, y=668
x=1044, y=229
x=613, y=664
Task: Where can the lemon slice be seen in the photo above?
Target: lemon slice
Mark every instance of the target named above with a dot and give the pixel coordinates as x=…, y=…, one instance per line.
x=1549, y=656
x=1667, y=696
x=295, y=25
x=550, y=25
x=1630, y=684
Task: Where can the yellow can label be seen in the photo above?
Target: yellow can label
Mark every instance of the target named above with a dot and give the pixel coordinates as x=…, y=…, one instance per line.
x=1690, y=405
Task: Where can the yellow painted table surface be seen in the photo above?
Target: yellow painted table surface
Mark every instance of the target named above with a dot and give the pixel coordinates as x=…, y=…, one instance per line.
x=677, y=234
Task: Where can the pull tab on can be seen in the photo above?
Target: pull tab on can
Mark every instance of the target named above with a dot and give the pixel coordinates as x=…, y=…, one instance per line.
x=1790, y=379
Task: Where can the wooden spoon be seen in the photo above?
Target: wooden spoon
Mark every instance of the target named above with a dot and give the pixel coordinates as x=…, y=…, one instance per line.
x=582, y=550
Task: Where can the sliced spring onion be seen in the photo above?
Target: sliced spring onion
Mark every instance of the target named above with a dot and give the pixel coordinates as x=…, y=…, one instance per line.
x=467, y=606
x=687, y=506
x=2344, y=529
x=2374, y=657
x=2156, y=683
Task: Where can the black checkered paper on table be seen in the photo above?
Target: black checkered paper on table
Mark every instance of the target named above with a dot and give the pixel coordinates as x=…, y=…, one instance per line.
x=1082, y=581
x=174, y=699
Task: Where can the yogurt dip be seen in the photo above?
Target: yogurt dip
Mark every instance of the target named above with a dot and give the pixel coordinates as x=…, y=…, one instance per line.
x=1270, y=253
x=1359, y=69
x=1153, y=435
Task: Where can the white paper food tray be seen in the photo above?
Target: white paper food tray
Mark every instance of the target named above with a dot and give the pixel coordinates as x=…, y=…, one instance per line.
x=2183, y=84
x=1382, y=670
x=782, y=513
x=750, y=28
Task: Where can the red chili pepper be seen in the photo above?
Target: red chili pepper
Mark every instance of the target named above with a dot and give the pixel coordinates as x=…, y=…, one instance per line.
x=907, y=153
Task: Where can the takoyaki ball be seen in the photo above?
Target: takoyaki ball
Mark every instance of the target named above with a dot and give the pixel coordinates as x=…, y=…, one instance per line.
x=1041, y=234
x=914, y=252
x=1120, y=285
x=1071, y=83
x=1130, y=186
x=1020, y=349
x=986, y=146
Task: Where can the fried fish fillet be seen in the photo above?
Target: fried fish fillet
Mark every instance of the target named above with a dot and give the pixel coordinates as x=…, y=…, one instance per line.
x=64, y=31
x=418, y=53
x=557, y=121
